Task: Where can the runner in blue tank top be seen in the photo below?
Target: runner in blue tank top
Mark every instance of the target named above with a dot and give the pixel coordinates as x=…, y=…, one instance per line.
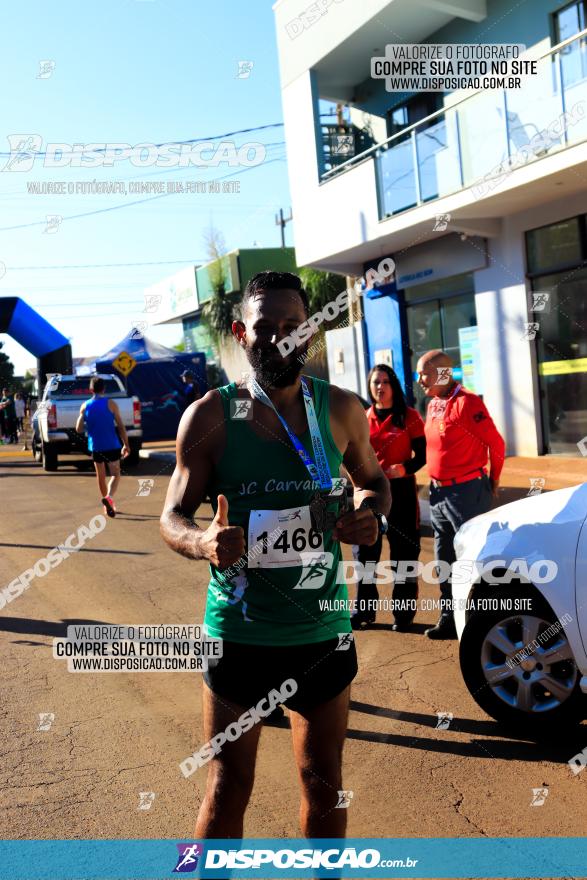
x=102, y=421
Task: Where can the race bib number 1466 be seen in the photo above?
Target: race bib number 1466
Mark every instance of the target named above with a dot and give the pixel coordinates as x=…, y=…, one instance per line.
x=281, y=536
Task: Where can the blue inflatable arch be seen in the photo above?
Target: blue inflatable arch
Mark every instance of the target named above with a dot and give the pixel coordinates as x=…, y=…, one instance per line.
x=29, y=329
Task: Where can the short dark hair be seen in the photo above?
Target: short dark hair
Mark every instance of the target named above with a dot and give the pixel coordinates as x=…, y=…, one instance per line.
x=270, y=280
x=398, y=407
x=96, y=385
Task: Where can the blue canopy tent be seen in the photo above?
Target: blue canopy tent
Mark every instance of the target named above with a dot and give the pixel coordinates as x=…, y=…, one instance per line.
x=155, y=379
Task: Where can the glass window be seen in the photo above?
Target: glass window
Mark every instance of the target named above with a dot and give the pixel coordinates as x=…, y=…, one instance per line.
x=443, y=287
x=554, y=246
x=457, y=312
x=398, y=119
x=435, y=324
x=424, y=328
x=80, y=387
x=561, y=347
x=569, y=21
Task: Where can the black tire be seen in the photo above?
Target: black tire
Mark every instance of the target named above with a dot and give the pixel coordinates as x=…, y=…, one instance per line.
x=50, y=460
x=132, y=459
x=37, y=451
x=479, y=657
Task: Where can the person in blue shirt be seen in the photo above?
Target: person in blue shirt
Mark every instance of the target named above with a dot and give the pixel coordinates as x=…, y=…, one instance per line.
x=102, y=420
x=191, y=391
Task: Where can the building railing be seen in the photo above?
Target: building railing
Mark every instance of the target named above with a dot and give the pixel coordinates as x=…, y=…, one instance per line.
x=483, y=137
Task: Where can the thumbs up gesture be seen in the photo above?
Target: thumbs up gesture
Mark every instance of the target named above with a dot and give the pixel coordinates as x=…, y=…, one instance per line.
x=222, y=543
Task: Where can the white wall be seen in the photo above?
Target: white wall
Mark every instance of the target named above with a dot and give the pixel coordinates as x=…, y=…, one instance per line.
x=349, y=340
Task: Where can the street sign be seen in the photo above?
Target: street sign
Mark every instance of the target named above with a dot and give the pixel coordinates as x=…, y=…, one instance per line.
x=124, y=363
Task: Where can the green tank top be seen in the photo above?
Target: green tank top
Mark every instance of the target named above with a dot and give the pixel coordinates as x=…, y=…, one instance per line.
x=268, y=489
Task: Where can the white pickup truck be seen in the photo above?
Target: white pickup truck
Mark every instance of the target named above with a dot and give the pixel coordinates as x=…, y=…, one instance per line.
x=53, y=423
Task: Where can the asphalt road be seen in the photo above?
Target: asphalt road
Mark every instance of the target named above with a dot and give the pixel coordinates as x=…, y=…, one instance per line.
x=116, y=735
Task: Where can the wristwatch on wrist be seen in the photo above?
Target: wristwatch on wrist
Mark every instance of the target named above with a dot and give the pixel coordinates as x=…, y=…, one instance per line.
x=382, y=524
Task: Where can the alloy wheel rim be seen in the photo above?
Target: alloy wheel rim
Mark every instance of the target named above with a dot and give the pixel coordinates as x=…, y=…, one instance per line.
x=526, y=668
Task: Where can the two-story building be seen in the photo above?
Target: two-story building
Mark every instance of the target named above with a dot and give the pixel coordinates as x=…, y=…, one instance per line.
x=479, y=197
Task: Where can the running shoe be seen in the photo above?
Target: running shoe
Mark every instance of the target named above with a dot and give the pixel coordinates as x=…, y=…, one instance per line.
x=109, y=508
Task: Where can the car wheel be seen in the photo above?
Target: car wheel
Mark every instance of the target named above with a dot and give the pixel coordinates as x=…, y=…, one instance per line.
x=520, y=673
x=50, y=461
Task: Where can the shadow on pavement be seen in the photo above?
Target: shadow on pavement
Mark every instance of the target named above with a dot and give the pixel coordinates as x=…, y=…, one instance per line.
x=56, y=629
x=76, y=550
x=513, y=746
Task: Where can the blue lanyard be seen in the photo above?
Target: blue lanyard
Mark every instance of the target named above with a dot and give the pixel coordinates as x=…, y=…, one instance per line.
x=320, y=472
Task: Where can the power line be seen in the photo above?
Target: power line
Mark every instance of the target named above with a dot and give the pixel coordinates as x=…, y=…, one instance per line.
x=131, y=204
x=22, y=150
x=16, y=194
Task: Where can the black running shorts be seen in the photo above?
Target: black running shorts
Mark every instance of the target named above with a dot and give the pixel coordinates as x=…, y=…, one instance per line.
x=105, y=455
x=246, y=673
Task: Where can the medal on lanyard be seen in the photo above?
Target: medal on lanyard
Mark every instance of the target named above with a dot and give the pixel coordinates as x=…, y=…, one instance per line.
x=319, y=471
x=441, y=410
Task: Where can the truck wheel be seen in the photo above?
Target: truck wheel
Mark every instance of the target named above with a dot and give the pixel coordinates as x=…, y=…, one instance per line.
x=37, y=451
x=133, y=459
x=50, y=461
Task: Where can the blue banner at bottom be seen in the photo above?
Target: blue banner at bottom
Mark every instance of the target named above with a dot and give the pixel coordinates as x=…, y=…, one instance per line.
x=481, y=857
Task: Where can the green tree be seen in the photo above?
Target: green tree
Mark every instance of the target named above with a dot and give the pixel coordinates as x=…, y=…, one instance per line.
x=321, y=287
x=6, y=367
x=218, y=312
x=28, y=382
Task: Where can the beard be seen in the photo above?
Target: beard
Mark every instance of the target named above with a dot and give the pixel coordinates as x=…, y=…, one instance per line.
x=272, y=370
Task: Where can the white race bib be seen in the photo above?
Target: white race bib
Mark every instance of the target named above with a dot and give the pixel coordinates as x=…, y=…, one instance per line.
x=278, y=538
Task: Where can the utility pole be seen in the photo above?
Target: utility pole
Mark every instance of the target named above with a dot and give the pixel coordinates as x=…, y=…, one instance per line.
x=281, y=221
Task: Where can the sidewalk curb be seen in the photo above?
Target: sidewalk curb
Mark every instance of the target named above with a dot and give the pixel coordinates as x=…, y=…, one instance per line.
x=153, y=454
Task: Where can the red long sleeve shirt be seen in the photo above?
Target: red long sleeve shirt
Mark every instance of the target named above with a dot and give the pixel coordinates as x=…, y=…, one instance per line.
x=393, y=445
x=460, y=436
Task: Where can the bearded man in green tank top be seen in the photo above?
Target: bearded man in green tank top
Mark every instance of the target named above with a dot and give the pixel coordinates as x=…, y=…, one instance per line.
x=268, y=451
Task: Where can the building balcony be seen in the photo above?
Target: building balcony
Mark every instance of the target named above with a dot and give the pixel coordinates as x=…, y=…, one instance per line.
x=486, y=136
x=486, y=155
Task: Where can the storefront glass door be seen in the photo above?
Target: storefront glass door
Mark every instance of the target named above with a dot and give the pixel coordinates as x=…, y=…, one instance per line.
x=435, y=323
x=562, y=359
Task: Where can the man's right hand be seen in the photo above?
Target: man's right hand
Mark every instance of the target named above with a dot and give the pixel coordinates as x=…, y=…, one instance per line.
x=221, y=543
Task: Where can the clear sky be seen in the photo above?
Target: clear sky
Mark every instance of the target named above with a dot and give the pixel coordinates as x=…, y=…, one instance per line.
x=130, y=71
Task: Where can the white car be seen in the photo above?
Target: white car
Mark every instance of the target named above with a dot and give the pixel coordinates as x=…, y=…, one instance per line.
x=522, y=621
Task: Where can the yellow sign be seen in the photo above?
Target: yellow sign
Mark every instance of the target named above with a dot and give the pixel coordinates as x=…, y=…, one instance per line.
x=560, y=368
x=124, y=363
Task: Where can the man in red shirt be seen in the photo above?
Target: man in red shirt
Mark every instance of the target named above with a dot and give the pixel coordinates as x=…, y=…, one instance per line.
x=460, y=437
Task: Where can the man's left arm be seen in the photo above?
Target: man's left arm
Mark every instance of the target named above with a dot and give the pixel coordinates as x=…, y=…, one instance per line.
x=371, y=486
x=113, y=407
x=79, y=425
x=481, y=425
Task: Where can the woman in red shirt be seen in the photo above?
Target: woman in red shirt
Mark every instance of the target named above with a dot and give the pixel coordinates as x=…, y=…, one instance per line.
x=397, y=436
